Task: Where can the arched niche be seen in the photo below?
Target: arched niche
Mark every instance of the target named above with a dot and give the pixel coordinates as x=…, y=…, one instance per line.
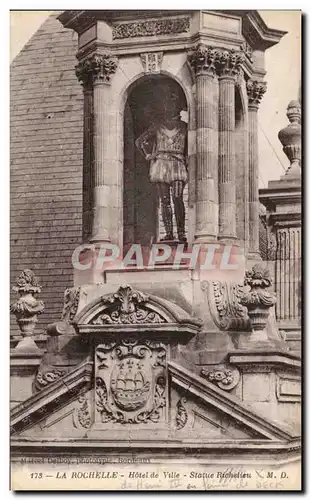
x=142, y=221
x=129, y=75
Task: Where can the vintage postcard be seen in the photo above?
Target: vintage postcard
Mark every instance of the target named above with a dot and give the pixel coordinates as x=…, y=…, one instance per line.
x=155, y=250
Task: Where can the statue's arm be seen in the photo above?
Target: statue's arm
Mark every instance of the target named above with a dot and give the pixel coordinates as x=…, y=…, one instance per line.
x=143, y=141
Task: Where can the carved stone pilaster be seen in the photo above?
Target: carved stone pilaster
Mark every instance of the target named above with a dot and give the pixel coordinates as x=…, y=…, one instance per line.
x=202, y=61
x=255, y=91
x=228, y=66
x=97, y=68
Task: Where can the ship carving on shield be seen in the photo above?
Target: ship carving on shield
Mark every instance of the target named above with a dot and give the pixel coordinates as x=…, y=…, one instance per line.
x=131, y=383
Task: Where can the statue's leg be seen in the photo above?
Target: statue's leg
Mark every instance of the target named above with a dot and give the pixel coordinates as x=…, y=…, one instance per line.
x=166, y=209
x=177, y=190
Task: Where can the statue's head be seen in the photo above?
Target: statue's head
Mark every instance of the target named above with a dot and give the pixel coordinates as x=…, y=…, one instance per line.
x=171, y=107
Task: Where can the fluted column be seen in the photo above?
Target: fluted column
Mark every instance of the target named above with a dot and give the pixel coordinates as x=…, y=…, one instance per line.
x=95, y=73
x=228, y=66
x=202, y=60
x=255, y=91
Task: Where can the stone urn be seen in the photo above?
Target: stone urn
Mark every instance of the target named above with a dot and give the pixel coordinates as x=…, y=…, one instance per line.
x=258, y=300
x=27, y=307
x=290, y=137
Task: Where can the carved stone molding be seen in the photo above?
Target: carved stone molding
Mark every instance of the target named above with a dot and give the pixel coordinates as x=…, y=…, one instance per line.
x=225, y=378
x=181, y=413
x=255, y=91
x=131, y=382
x=151, y=28
x=225, y=304
x=128, y=307
x=152, y=61
x=71, y=302
x=98, y=68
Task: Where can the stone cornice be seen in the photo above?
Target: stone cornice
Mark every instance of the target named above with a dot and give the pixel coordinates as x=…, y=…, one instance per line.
x=98, y=68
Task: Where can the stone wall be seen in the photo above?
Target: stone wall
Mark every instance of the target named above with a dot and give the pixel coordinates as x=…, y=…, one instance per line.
x=46, y=163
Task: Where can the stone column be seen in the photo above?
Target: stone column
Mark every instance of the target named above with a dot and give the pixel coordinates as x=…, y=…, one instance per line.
x=202, y=60
x=255, y=91
x=228, y=66
x=95, y=73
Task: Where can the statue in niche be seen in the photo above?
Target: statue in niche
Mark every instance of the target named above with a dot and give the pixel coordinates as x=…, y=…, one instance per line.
x=164, y=145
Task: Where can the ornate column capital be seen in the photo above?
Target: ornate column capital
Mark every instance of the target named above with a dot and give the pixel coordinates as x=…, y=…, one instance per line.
x=98, y=68
x=255, y=91
x=229, y=63
x=203, y=60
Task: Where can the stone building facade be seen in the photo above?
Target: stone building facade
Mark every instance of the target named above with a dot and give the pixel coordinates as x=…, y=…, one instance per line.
x=215, y=372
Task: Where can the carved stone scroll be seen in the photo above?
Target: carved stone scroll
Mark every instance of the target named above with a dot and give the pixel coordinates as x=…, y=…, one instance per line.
x=225, y=304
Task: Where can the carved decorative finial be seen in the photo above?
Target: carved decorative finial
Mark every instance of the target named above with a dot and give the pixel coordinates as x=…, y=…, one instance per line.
x=290, y=137
x=97, y=68
x=258, y=299
x=27, y=307
x=255, y=91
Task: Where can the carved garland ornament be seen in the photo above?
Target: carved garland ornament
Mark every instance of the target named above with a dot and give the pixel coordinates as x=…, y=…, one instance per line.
x=96, y=68
x=150, y=28
x=130, y=381
x=128, y=307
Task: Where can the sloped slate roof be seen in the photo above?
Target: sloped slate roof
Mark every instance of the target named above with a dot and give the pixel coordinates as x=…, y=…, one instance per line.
x=46, y=162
